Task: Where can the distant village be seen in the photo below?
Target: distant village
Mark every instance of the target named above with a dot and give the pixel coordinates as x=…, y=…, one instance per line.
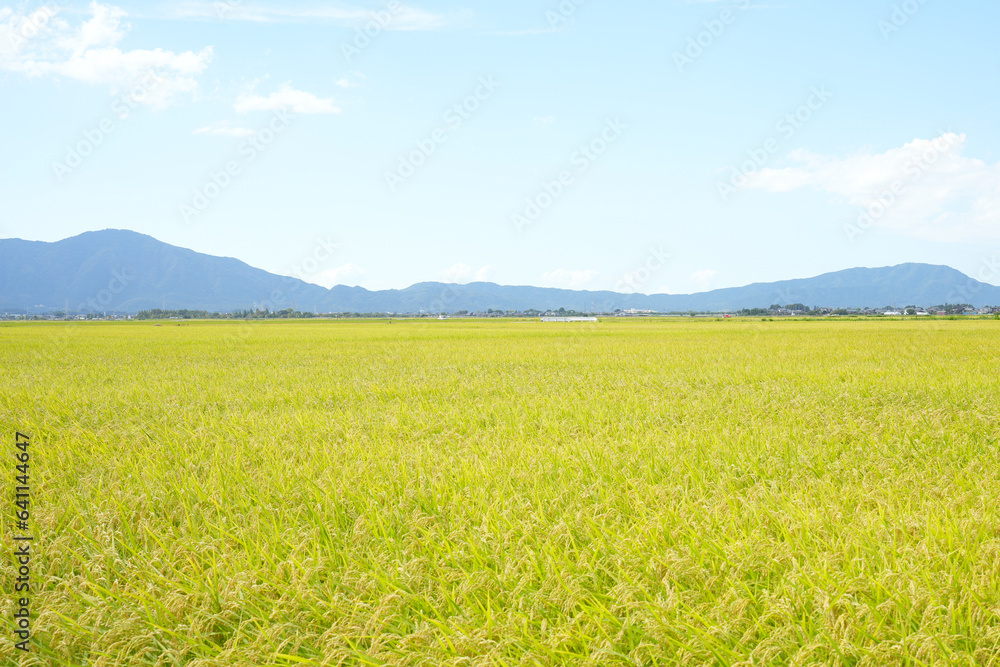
x=798, y=309
x=775, y=310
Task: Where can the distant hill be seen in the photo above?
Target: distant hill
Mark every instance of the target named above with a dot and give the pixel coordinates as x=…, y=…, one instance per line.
x=122, y=271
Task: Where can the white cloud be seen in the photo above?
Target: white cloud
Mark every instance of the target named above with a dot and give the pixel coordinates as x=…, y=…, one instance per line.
x=394, y=17
x=925, y=188
x=569, y=279
x=226, y=131
x=704, y=279
x=17, y=31
x=540, y=121
x=103, y=29
x=44, y=44
x=285, y=97
x=463, y=273
x=459, y=273
x=349, y=274
x=352, y=80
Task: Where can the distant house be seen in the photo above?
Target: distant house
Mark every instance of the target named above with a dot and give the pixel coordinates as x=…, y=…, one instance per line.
x=569, y=319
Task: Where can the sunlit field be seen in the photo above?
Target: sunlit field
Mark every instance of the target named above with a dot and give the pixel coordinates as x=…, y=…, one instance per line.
x=651, y=492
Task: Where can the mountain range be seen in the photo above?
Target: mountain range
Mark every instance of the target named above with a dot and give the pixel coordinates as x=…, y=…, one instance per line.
x=124, y=272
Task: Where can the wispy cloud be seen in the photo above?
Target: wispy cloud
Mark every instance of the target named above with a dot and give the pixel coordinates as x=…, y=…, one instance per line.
x=348, y=274
x=569, y=278
x=352, y=80
x=285, y=97
x=925, y=188
x=463, y=273
x=393, y=16
x=704, y=280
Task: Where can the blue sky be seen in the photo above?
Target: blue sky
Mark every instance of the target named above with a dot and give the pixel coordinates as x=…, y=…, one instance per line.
x=657, y=146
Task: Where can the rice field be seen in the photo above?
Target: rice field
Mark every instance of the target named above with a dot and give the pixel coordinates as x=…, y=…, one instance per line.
x=644, y=492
